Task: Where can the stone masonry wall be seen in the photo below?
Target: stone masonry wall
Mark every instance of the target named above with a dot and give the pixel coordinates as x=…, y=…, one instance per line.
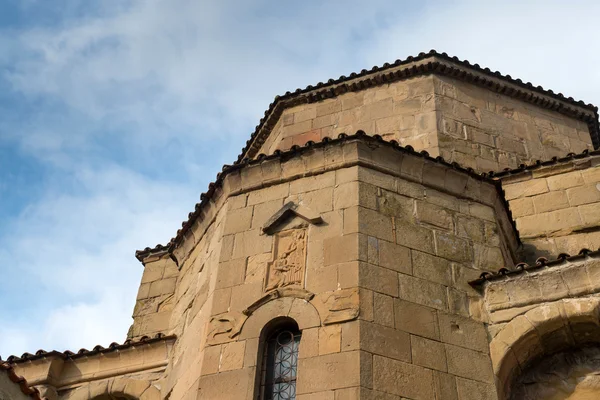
x=557, y=209
x=488, y=131
x=404, y=111
x=152, y=312
x=416, y=323
x=397, y=245
x=459, y=121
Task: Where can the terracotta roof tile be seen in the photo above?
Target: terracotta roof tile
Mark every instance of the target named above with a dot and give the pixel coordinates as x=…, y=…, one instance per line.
x=296, y=150
x=541, y=262
x=439, y=63
x=85, y=352
x=19, y=380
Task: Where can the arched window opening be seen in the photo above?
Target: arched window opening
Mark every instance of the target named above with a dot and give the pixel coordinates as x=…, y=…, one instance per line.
x=280, y=362
x=573, y=374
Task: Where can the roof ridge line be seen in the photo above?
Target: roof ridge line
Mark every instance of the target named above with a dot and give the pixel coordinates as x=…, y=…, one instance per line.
x=98, y=349
x=540, y=262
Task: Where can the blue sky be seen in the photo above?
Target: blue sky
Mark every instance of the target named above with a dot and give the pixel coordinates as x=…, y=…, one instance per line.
x=115, y=115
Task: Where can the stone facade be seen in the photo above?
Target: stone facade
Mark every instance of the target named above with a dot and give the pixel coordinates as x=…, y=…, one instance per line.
x=383, y=257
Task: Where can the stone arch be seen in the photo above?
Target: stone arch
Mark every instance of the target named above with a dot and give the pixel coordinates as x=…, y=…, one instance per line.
x=116, y=388
x=298, y=309
x=542, y=331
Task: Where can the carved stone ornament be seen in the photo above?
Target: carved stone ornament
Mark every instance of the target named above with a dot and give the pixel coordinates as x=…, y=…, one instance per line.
x=295, y=292
x=289, y=260
x=222, y=328
x=337, y=306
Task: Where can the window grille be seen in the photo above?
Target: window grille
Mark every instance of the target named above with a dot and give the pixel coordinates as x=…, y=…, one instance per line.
x=280, y=365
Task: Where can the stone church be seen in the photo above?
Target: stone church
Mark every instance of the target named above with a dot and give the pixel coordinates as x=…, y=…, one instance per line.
x=428, y=229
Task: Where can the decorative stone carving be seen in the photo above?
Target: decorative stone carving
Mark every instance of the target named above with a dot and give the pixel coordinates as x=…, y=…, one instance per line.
x=222, y=328
x=337, y=306
x=290, y=210
x=289, y=260
x=296, y=292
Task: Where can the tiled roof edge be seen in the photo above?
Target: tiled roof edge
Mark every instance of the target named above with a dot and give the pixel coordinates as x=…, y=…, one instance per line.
x=85, y=352
x=295, y=150
x=541, y=262
x=19, y=380
x=539, y=163
x=325, y=90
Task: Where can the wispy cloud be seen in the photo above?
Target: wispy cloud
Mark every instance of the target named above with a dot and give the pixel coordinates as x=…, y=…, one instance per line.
x=115, y=115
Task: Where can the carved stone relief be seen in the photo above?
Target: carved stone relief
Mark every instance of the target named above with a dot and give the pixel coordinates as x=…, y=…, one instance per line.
x=289, y=260
x=222, y=328
x=337, y=306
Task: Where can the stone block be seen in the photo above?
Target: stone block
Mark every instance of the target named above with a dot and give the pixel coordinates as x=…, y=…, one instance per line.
x=415, y=237
x=164, y=286
x=550, y=201
x=396, y=257
x=434, y=215
x=330, y=339
x=565, y=181
x=423, y=292
x=554, y=221
x=463, y=332
x=250, y=243
x=417, y=319
x=522, y=207
x=525, y=188
x=383, y=309
x=431, y=268
x=231, y=273
x=482, y=211
x=469, y=364
x=473, y=390
x=229, y=385
x=591, y=175
x=309, y=343
x=584, y=194
x=376, y=178
x=385, y=341
x=232, y=356
x=264, y=211
x=375, y=224
x=378, y=279
x=471, y=228
x=238, y=220
x=394, y=205
x=590, y=214
x=350, y=335
x=444, y=386
x=268, y=194
x=328, y=372
x=329, y=106
x=345, y=195
x=428, y=353
x=402, y=379
x=453, y=248
x=341, y=249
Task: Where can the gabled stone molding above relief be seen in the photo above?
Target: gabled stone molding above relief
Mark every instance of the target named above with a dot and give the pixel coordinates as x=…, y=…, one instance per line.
x=289, y=210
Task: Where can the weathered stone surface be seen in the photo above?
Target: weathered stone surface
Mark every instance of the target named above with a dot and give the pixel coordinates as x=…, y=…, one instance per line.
x=402, y=379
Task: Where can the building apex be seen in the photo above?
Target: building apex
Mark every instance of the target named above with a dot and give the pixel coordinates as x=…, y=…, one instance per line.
x=423, y=64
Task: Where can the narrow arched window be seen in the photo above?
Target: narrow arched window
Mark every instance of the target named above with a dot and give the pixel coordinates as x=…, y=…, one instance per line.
x=280, y=362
